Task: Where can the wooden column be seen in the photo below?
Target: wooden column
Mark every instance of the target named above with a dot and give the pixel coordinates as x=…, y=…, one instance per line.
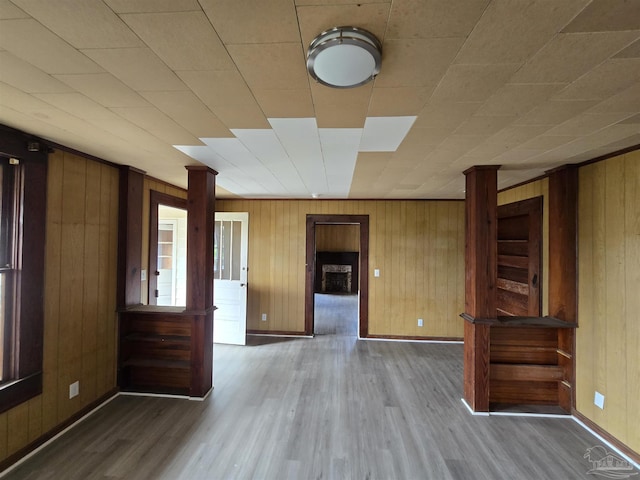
x=480, y=280
x=129, y=237
x=200, y=231
x=563, y=279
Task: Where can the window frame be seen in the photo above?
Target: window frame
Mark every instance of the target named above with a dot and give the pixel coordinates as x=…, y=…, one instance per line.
x=26, y=349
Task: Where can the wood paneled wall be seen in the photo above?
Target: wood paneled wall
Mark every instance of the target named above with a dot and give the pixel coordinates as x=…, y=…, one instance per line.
x=337, y=238
x=418, y=246
x=80, y=298
x=159, y=186
x=608, y=336
x=523, y=192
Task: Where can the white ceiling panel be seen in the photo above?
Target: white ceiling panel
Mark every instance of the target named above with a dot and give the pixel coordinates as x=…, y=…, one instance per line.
x=385, y=134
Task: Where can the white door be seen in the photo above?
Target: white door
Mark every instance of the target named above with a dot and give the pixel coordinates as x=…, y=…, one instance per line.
x=230, y=273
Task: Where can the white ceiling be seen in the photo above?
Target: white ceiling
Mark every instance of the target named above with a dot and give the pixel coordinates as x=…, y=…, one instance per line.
x=526, y=84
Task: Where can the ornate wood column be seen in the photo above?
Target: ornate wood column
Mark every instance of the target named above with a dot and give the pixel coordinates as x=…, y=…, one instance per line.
x=563, y=279
x=200, y=231
x=480, y=280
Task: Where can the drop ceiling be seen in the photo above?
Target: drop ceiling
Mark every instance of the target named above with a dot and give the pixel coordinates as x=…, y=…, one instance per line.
x=160, y=84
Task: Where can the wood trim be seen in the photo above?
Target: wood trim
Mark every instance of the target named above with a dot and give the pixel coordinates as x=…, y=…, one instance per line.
x=276, y=333
x=635, y=456
x=481, y=269
x=417, y=338
x=310, y=266
x=129, y=237
x=157, y=198
x=11, y=459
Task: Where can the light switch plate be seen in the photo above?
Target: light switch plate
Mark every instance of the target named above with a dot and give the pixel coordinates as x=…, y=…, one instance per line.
x=598, y=400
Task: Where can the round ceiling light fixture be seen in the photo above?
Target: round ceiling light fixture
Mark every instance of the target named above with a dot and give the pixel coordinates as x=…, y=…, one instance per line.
x=344, y=57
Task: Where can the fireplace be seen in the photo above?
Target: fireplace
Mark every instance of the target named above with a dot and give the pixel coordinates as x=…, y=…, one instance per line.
x=336, y=272
x=336, y=279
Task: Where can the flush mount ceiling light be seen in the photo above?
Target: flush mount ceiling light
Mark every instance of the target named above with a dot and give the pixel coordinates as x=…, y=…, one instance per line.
x=344, y=57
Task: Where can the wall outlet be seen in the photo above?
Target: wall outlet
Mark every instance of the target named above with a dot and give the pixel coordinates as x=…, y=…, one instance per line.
x=598, y=400
x=376, y=272
x=264, y=317
x=420, y=322
x=74, y=389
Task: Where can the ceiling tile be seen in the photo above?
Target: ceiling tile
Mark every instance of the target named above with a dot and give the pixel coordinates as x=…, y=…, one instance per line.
x=607, y=15
x=30, y=41
x=384, y=134
x=189, y=112
x=218, y=88
x=511, y=31
x=603, y=81
x=447, y=115
x=26, y=77
x=241, y=116
x=340, y=151
x=158, y=124
x=433, y=18
x=139, y=68
x=484, y=124
x=340, y=116
x=632, y=51
x=389, y=102
x=183, y=40
x=75, y=104
x=9, y=11
x=285, y=103
x=555, y=112
x=272, y=66
x=517, y=99
x=319, y=18
x=568, y=56
x=587, y=123
x=81, y=23
x=626, y=101
x=105, y=89
x=416, y=62
x=249, y=22
x=147, y=6
x=472, y=83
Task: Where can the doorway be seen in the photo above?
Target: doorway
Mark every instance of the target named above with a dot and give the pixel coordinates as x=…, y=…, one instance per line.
x=167, y=250
x=362, y=282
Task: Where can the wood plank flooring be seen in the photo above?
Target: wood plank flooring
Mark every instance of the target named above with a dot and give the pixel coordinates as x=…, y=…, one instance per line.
x=332, y=407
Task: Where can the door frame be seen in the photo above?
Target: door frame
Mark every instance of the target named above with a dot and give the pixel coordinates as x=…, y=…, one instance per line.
x=310, y=266
x=157, y=198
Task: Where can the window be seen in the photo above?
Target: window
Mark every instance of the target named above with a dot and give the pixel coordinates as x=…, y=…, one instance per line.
x=22, y=232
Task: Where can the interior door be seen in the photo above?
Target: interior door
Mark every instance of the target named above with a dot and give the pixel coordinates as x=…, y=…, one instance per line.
x=166, y=265
x=231, y=243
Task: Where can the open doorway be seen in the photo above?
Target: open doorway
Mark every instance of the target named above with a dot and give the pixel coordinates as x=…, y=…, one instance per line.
x=337, y=260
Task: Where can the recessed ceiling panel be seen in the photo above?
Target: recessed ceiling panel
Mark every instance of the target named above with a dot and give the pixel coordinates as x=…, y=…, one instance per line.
x=384, y=134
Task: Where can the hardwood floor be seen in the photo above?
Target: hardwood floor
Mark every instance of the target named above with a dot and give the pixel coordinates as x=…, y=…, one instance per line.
x=331, y=407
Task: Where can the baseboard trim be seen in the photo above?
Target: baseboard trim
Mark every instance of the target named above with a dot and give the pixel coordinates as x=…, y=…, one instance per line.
x=611, y=441
x=276, y=333
x=17, y=458
x=408, y=338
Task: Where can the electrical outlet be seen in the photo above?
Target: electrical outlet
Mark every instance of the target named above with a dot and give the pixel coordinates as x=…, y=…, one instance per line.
x=376, y=272
x=74, y=389
x=419, y=322
x=264, y=317
x=143, y=275
x=598, y=400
